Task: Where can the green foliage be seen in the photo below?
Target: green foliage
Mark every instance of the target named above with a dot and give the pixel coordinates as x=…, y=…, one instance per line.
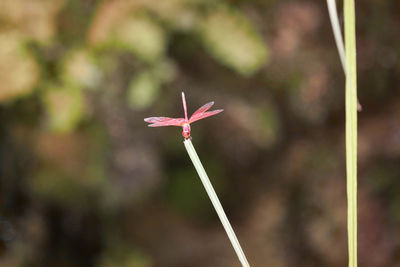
x=35, y=20
x=145, y=85
x=80, y=70
x=65, y=107
x=143, y=90
x=233, y=41
x=19, y=72
x=143, y=29
x=143, y=36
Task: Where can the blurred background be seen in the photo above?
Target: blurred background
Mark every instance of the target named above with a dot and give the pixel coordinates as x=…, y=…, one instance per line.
x=84, y=182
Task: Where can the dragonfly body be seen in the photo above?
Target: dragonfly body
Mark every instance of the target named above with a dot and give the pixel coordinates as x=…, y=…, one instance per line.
x=186, y=130
x=199, y=114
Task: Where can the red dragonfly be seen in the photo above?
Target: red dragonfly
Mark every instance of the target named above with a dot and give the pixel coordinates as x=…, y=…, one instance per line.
x=199, y=114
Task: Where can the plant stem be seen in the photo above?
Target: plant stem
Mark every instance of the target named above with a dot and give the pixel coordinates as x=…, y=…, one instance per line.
x=350, y=70
x=351, y=128
x=215, y=201
x=337, y=33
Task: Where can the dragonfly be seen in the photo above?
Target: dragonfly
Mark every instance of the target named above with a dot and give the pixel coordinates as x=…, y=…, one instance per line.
x=199, y=114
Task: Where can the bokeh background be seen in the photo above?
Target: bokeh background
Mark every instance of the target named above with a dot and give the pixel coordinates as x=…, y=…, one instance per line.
x=84, y=182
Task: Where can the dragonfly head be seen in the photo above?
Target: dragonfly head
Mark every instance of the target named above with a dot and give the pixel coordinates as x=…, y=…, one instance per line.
x=186, y=130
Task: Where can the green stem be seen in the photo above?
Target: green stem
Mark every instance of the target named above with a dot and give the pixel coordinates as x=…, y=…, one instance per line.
x=215, y=201
x=337, y=33
x=351, y=128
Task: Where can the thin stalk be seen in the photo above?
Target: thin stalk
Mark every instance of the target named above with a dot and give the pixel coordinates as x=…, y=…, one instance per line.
x=215, y=201
x=351, y=128
x=337, y=33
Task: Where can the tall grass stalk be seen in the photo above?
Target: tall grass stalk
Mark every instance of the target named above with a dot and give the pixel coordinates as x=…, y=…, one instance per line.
x=215, y=201
x=351, y=127
x=337, y=32
x=350, y=69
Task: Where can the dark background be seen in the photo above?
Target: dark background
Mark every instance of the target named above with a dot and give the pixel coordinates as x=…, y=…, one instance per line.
x=84, y=182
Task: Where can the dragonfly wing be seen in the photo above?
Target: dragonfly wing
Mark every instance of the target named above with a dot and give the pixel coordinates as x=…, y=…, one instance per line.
x=164, y=121
x=205, y=115
x=203, y=109
x=200, y=111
